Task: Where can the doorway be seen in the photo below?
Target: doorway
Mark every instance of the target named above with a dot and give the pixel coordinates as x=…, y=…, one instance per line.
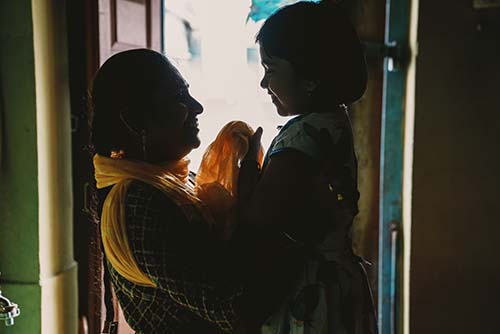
x=224, y=74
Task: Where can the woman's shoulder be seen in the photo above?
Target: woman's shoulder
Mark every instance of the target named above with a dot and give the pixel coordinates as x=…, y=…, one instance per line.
x=145, y=200
x=142, y=191
x=147, y=204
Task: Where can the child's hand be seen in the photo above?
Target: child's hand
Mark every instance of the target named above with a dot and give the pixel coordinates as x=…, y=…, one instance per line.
x=255, y=147
x=250, y=168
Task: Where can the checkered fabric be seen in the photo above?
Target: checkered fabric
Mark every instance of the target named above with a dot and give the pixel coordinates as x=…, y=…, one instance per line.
x=196, y=288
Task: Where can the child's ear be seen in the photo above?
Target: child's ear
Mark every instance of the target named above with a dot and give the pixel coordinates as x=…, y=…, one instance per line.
x=311, y=85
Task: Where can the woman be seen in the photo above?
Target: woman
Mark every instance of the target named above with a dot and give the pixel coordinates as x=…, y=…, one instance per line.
x=169, y=268
x=306, y=196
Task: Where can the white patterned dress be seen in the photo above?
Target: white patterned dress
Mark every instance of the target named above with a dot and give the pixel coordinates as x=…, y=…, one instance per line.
x=332, y=295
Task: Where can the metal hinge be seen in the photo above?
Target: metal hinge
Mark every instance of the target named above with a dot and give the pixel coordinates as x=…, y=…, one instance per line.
x=395, y=54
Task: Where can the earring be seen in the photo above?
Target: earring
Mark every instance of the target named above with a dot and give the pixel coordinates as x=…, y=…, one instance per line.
x=142, y=135
x=117, y=154
x=143, y=140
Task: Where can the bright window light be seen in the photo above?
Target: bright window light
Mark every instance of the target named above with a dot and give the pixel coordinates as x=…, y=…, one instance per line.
x=213, y=45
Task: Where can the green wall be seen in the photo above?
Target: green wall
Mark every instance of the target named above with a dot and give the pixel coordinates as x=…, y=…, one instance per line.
x=19, y=246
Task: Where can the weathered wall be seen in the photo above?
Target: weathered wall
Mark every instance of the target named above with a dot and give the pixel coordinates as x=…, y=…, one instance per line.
x=369, y=18
x=455, y=272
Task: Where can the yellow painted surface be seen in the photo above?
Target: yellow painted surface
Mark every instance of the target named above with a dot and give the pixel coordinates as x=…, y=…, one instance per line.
x=57, y=266
x=59, y=313
x=408, y=165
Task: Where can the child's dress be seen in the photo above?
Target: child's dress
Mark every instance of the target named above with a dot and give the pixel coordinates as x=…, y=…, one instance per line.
x=332, y=296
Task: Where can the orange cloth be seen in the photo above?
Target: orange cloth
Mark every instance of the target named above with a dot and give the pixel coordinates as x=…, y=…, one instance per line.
x=217, y=178
x=220, y=161
x=213, y=195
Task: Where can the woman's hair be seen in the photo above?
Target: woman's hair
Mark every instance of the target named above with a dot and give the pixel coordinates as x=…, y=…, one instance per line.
x=125, y=83
x=320, y=42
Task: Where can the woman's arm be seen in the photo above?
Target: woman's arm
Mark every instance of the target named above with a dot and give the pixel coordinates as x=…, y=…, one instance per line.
x=274, y=215
x=281, y=195
x=284, y=200
x=297, y=193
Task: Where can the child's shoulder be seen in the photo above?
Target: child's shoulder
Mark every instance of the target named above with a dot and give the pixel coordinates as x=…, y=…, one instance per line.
x=303, y=133
x=311, y=124
x=333, y=120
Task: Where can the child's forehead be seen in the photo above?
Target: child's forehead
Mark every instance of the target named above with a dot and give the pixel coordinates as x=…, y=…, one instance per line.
x=276, y=62
x=270, y=60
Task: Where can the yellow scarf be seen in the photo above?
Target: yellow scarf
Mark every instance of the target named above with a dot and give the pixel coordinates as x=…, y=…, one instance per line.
x=213, y=195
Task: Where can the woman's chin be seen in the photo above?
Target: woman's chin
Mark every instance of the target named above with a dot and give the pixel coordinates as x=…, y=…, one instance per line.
x=197, y=143
x=194, y=142
x=191, y=137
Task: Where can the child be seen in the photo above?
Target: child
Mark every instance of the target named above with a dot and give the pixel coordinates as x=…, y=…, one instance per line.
x=305, y=198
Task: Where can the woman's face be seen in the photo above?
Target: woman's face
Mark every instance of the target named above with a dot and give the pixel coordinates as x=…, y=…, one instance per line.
x=173, y=127
x=289, y=92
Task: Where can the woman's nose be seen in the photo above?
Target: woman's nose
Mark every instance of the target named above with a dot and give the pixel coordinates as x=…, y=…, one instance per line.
x=196, y=106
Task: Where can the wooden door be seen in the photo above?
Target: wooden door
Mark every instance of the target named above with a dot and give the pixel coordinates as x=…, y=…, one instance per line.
x=98, y=29
x=128, y=24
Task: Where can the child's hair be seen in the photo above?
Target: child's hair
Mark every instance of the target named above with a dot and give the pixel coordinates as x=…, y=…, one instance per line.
x=320, y=42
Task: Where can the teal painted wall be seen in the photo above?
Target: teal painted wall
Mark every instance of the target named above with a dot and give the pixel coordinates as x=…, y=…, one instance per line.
x=19, y=247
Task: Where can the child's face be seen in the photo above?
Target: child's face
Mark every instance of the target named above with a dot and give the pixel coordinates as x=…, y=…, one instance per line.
x=289, y=92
